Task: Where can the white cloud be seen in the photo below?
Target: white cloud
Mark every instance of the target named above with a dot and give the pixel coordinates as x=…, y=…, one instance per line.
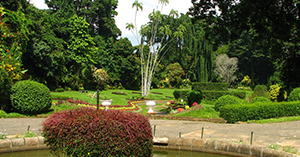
x=126, y=13
x=39, y=4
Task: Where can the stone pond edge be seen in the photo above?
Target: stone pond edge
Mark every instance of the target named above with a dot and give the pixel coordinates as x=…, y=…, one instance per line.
x=191, y=144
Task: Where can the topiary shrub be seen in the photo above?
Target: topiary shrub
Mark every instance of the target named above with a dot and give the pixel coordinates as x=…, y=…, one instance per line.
x=259, y=99
x=294, y=95
x=260, y=91
x=227, y=100
x=90, y=132
x=193, y=96
x=30, y=97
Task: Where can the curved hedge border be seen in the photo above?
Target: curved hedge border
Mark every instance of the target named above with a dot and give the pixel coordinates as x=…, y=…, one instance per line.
x=257, y=111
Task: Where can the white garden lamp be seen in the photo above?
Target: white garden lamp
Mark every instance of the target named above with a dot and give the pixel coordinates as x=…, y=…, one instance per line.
x=150, y=104
x=106, y=103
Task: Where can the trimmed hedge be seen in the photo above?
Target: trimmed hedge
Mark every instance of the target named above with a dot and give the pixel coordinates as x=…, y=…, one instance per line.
x=90, y=132
x=209, y=95
x=180, y=93
x=257, y=111
x=210, y=86
x=30, y=97
x=214, y=95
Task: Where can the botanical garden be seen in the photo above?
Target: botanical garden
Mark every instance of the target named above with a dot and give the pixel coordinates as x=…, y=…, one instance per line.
x=222, y=61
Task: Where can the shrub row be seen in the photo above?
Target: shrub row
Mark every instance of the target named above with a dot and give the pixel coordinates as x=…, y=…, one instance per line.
x=257, y=111
x=210, y=86
x=209, y=95
x=90, y=132
x=214, y=95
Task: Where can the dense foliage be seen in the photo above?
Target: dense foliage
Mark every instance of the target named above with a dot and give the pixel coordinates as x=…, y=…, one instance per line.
x=260, y=91
x=90, y=132
x=257, y=111
x=211, y=86
x=193, y=96
x=30, y=97
x=294, y=95
x=227, y=100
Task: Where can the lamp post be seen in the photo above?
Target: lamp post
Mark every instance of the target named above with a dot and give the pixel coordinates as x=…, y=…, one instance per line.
x=97, y=99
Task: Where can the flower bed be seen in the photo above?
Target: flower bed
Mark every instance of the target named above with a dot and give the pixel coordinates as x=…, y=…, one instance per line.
x=130, y=107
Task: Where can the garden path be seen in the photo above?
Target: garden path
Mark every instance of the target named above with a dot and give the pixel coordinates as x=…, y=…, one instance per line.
x=286, y=133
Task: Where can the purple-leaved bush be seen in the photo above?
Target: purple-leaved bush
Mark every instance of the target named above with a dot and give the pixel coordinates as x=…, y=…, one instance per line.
x=90, y=132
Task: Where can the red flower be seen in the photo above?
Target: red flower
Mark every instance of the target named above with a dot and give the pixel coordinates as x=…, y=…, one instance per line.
x=172, y=102
x=194, y=104
x=180, y=109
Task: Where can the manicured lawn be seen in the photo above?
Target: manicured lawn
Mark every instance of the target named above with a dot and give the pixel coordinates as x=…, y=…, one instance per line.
x=117, y=99
x=206, y=112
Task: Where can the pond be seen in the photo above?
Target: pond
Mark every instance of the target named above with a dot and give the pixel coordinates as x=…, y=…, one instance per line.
x=156, y=153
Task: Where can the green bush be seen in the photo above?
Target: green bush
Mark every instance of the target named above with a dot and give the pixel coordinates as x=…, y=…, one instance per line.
x=30, y=97
x=260, y=99
x=3, y=114
x=257, y=111
x=294, y=95
x=211, y=86
x=227, y=100
x=90, y=132
x=260, y=91
x=214, y=95
x=180, y=93
x=59, y=90
x=193, y=96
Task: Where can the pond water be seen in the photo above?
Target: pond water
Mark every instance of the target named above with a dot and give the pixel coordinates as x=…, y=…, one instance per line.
x=156, y=153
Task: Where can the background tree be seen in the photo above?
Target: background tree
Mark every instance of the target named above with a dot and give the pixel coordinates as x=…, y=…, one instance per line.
x=226, y=67
x=274, y=21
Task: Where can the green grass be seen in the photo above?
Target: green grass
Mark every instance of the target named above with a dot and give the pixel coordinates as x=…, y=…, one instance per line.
x=275, y=120
x=206, y=112
x=117, y=99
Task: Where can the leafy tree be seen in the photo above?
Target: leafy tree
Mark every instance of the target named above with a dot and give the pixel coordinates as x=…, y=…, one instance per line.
x=98, y=13
x=226, y=67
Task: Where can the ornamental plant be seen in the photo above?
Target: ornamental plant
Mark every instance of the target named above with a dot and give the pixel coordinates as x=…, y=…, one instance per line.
x=30, y=97
x=87, y=131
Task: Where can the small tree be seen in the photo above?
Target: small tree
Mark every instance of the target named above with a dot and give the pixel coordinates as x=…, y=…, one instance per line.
x=226, y=67
x=149, y=35
x=100, y=77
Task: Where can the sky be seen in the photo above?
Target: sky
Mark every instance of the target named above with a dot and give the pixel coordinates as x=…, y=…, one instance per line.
x=126, y=13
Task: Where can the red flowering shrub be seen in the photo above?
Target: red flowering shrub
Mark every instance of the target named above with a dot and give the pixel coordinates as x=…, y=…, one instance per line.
x=87, y=131
x=180, y=109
